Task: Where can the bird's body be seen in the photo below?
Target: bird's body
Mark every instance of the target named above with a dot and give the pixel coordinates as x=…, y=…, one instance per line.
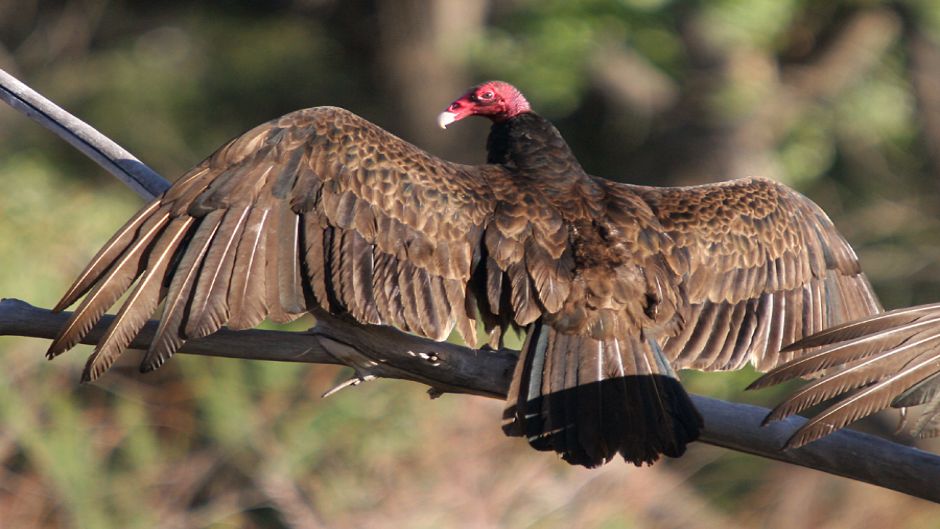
x=616, y=285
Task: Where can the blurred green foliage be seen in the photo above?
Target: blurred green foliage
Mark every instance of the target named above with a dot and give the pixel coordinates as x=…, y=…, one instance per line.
x=834, y=98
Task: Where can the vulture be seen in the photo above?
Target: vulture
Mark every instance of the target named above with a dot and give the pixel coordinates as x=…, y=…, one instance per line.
x=889, y=359
x=616, y=286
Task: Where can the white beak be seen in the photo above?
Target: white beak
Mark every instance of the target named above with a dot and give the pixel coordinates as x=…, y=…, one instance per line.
x=446, y=118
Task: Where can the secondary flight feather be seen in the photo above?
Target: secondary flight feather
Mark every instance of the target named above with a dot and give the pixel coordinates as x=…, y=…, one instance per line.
x=616, y=285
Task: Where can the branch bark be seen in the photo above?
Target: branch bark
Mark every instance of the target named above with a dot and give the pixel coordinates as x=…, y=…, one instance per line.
x=388, y=353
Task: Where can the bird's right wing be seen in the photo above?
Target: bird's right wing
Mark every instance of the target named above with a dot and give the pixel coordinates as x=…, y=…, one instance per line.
x=890, y=359
x=318, y=208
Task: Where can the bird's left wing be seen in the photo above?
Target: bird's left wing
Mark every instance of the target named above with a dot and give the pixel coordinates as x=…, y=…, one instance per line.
x=766, y=267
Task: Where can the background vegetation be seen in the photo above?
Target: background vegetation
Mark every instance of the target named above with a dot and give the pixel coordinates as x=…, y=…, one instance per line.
x=839, y=99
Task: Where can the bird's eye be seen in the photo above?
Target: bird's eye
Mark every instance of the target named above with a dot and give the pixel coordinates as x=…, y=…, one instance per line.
x=486, y=95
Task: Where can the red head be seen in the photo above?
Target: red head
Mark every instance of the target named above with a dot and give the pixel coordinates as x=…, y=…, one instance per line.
x=496, y=100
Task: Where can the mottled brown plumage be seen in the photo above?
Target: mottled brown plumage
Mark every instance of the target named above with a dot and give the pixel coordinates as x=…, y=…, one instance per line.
x=616, y=285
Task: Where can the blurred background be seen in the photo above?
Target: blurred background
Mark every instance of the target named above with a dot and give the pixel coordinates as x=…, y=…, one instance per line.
x=839, y=99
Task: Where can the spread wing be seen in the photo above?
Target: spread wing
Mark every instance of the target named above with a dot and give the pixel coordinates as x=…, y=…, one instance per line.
x=316, y=209
x=766, y=267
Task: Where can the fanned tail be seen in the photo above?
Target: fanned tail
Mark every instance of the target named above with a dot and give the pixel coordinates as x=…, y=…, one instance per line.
x=591, y=399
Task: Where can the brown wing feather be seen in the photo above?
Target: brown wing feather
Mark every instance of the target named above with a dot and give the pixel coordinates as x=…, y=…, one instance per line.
x=275, y=270
x=141, y=303
x=246, y=297
x=170, y=333
x=209, y=307
x=290, y=288
x=106, y=256
x=884, y=360
x=767, y=260
x=122, y=272
x=316, y=208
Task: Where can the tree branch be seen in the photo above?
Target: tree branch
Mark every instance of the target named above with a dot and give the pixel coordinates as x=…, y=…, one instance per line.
x=388, y=353
x=114, y=158
x=384, y=352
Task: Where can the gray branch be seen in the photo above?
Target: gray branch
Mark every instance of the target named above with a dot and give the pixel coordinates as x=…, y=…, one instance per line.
x=383, y=352
x=114, y=158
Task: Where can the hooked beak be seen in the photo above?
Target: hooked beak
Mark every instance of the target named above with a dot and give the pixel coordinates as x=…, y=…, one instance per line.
x=457, y=110
x=446, y=118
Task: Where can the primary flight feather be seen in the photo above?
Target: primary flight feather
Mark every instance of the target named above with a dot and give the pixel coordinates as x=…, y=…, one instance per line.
x=616, y=285
x=890, y=359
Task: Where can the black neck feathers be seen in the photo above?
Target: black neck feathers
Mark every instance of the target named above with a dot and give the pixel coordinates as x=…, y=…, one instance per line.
x=532, y=146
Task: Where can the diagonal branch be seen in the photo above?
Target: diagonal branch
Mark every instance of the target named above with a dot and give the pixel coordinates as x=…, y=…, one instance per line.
x=388, y=353
x=114, y=158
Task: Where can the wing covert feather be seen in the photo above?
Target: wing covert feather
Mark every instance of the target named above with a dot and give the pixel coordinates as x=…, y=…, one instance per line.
x=767, y=259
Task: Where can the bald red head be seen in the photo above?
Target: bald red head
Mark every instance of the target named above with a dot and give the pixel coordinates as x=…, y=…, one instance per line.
x=495, y=100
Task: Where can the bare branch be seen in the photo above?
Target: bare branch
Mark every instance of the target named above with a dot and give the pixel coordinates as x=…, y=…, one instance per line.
x=378, y=351
x=386, y=352
x=114, y=158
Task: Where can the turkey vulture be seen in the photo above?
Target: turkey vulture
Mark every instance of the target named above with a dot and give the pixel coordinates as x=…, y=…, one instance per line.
x=890, y=359
x=616, y=285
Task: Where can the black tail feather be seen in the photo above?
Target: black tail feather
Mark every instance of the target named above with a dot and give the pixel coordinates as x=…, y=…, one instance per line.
x=590, y=400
